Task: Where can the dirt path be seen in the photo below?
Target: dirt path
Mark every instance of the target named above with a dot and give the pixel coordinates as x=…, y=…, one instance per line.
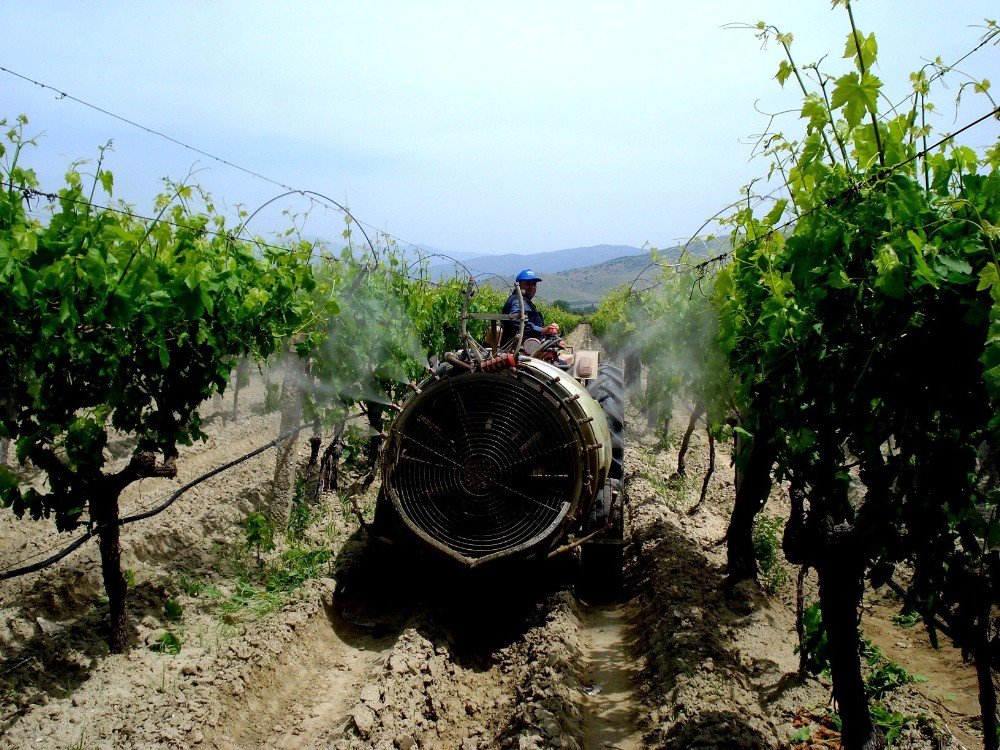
x=944, y=680
x=610, y=708
x=402, y=660
x=582, y=337
x=304, y=699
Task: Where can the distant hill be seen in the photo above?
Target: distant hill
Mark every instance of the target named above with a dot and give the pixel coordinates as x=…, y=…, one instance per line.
x=434, y=256
x=409, y=253
x=588, y=285
x=581, y=276
x=542, y=263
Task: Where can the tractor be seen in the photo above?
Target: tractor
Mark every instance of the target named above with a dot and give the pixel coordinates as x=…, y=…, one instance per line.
x=510, y=451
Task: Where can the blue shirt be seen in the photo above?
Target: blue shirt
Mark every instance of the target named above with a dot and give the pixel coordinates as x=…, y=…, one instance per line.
x=534, y=326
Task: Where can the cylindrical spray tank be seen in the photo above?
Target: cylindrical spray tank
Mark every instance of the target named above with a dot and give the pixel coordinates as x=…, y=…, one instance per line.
x=485, y=465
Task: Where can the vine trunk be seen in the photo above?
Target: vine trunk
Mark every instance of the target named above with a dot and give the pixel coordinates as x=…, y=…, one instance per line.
x=840, y=590
x=752, y=490
x=105, y=513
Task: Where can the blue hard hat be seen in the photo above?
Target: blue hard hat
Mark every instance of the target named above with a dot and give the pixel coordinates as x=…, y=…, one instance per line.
x=528, y=275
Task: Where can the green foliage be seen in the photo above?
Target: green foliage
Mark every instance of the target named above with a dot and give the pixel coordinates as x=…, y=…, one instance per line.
x=890, y=722
x=355, y=448
x=108, y=321
x=673, y=328
x=168, y=643
x=300, y=515
x=172, y=610
x=388, y=325
x=860, y=314
x=800, y=735
x=191, y=585
x=262, y=584
x=566, y=319
x=767, y=551
x=295, y=567
x=674, y=492
x=249, y=601
x=259, y=532
x=615, y=320
x=262, y=589
x=884, y=674
x=906, y=619
x=815, y=644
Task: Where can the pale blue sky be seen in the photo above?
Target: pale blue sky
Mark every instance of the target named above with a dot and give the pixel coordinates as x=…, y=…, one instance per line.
x=472, y=127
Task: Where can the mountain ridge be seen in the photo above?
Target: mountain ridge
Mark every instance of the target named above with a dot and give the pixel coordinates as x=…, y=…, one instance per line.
x=586, y=286
x=552, y=261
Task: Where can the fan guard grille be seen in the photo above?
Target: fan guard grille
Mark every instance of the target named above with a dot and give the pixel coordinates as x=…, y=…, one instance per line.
x=484, y=465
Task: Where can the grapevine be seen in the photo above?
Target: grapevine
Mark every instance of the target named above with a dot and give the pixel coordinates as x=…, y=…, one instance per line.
x=864, y=344
x=111, y=323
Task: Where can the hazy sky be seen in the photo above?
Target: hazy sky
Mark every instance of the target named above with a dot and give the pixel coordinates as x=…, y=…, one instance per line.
x=468, y=126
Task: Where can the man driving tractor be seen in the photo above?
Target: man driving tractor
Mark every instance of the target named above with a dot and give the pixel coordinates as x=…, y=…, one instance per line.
x=534, y=325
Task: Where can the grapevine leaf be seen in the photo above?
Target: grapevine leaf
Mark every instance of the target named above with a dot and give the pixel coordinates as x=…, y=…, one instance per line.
x=775, y=214
x=864, y=57
x=8, y=484
x=856, y=94
x=959, y=269
x=838, y=279
x=784, y=71
x=988, y=277
x=888, y=268
x=814, y=110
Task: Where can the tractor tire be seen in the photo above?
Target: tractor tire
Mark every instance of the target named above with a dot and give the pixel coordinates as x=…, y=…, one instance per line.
x=614, y=371
x=386, y=528
x=609, y=391
x=602, y=561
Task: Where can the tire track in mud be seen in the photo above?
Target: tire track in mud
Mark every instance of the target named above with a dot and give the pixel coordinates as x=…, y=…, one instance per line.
x=611, y=711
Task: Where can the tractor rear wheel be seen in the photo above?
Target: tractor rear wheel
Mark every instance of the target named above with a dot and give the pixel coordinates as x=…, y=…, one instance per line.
x=602, y=560
x=608, y=390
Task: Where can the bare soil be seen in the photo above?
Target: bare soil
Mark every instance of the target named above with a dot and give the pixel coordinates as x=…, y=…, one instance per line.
x=381, y=653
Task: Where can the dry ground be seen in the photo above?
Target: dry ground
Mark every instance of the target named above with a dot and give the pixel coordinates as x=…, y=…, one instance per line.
x=378, y=653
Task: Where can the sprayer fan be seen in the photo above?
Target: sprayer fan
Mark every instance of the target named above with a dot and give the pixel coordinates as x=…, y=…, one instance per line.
x=483, y=465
